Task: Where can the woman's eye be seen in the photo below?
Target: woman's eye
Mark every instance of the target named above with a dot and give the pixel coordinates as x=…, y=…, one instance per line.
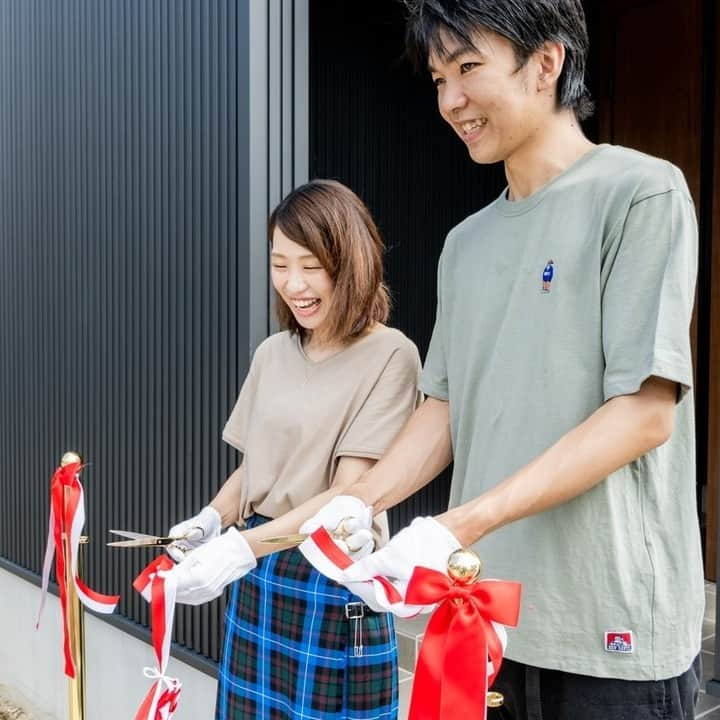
x=278, y=267
x=313, y=267
x=437, y=82
x=466, y=67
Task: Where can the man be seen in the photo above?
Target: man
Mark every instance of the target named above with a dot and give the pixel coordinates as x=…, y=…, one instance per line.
x=573, y=459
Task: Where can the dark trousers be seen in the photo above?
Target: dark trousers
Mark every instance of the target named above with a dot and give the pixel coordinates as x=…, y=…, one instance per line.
x=537, y=694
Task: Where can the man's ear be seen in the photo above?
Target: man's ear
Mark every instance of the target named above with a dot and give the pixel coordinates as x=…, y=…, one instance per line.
x=549, y=61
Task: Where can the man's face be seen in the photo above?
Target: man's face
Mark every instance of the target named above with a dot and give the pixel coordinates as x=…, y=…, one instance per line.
x=491, y=104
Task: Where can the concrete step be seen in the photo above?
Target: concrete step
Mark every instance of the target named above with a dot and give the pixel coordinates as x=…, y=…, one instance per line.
x=409, y=634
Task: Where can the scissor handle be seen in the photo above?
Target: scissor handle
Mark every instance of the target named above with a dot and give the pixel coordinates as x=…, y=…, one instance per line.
x=341, y=532
x=179, y=543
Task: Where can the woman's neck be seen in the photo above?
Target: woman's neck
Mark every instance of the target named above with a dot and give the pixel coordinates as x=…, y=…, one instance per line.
x=317, y=347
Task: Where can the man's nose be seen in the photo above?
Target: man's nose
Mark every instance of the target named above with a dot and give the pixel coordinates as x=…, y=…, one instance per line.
x=452, y=99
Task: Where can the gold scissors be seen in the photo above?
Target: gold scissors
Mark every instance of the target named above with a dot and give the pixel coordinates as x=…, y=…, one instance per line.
x=142, y=539
x=339, y=533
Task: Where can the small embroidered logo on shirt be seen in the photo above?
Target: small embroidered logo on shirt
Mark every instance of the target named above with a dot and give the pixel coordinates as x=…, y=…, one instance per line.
x=619, y=641
x=547, y=276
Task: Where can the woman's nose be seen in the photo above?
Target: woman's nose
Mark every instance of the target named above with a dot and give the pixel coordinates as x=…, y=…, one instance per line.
x=295, y=282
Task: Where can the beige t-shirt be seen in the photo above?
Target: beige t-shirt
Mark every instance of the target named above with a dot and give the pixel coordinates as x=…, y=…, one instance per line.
x=294, y=418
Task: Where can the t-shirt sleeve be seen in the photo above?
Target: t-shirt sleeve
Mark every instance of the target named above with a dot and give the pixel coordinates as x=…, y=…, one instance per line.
x=236, y=428
x=386, y=409
x=648, y=295
x=434, y=378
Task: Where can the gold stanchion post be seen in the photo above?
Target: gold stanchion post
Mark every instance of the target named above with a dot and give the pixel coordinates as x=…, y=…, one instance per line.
x=75, y=616
x=464, y=567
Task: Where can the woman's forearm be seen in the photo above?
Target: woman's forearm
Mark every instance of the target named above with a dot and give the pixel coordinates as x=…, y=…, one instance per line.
x=348, y=470
x=227, y=501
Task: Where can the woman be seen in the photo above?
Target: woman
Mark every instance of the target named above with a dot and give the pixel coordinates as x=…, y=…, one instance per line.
x=322, y=401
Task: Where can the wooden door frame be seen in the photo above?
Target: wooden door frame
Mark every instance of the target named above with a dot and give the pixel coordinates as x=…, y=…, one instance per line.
x=709, y=290
x=705, y=330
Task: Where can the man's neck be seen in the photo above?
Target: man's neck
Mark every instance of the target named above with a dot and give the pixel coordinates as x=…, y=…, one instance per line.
x=548, y=153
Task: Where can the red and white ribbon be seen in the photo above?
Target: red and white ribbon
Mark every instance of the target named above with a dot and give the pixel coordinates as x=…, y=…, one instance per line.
x=67, y=518
x=321, y=551
x=159, y=588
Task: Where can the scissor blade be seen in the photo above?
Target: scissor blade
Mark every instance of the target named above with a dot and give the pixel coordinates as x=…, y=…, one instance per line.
x=141, y=542
x=286, y=539
x=134, y=536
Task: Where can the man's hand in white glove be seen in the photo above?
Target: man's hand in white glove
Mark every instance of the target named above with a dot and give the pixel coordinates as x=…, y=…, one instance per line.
x=356, y=518
x=424, y=543
x=205, y=572
x=196, y=531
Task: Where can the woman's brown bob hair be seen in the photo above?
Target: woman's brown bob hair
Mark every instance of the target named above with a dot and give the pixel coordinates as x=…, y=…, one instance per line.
x=333, y=223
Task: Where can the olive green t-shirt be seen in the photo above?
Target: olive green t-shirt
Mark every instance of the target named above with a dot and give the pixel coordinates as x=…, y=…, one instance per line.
x=295, y=418
x=547, y=308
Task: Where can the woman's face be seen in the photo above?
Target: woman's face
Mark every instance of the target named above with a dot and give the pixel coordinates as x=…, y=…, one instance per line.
x=301, y=281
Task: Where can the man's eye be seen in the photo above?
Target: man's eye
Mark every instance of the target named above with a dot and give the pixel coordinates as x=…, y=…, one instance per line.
x=278, y=267
x=466, y=67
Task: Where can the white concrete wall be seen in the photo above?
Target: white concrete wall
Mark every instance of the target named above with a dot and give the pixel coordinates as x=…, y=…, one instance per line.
x=32, y=662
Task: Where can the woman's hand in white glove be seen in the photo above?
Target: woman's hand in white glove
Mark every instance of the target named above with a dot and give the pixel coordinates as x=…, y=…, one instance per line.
x=356, y=519
x=194, y=532
x=205, y=572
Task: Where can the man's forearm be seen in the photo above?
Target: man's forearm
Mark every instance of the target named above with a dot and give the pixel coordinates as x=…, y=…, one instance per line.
x=617, y=433
x=421, y=451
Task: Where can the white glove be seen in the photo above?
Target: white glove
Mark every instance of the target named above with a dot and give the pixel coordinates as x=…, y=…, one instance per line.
x=425, y=542
x=356, y=518
x=205, y=572
x=196, y=531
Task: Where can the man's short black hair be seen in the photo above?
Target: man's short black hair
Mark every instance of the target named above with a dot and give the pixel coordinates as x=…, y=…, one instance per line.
x=526, y=23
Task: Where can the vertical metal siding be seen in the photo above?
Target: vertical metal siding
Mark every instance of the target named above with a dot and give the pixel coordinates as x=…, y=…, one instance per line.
x=279, y=126
x=124, y=268
x=374, y=125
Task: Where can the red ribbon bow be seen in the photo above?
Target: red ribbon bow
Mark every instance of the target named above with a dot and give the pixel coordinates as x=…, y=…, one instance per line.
x=64, y=477
x=67, y=516
x=451, y=674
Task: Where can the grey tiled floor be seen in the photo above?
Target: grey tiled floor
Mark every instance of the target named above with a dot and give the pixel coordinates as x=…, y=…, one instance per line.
x=708, y=706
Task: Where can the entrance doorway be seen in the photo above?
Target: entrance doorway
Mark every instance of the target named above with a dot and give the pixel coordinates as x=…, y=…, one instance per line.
x=653, y=64
x=372, y=126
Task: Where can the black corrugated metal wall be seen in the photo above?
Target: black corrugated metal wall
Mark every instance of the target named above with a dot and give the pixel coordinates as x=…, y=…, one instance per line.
x=123, y=276
x=374, y=125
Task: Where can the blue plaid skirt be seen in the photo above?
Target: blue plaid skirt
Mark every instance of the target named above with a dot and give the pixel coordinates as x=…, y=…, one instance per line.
x=291, y=653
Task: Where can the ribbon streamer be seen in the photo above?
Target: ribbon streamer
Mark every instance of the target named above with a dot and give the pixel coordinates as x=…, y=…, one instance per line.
x=159, y=589
x=322, y=552
x=462, y=651
x=67, y=518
